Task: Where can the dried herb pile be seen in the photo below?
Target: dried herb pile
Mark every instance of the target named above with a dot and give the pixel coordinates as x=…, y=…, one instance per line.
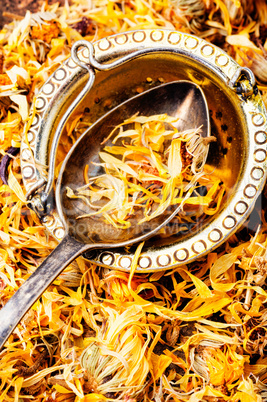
x=196, y=333
x=153, y=167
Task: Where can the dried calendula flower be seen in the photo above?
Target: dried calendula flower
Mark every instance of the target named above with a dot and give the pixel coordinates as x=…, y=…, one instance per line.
x=173, y=331
x=258, y=64
x=224, y=366
x=46, y=32
x=238, y=10
x=5, y=80
x=261, y=265
x=186, y=13
x=116, y=361
x=192, y=334
x=149, y=166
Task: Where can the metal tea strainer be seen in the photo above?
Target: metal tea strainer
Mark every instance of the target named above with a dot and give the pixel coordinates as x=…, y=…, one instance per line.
x=112, y=70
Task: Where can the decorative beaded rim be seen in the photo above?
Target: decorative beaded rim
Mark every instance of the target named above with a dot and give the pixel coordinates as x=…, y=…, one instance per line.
x=248, y=189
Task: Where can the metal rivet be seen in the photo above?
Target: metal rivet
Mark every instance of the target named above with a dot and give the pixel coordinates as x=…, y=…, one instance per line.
x=207, y=50
x=215, y=235
x=222, y=60
x=125, y=262
x=260, y=155
x=40, y=103
x=49, y=220
x=174, y=38
x=71, y=64
x=35, y=120
x=60, y=74
x=156, y=36
x=258, y=119
x=28, y=172
x=257, y=173
x=241, y=207
x=59, y=233
x=260, y=137
x=48, y=88
x=30, y=136
x=199, y=246
x=107, y=258
x=181, y=255
x=229, y=222
x=250, y=191
x=144, y=262
x=139, y=36
x=121, y=39
x=191, y=43
x=163, y=260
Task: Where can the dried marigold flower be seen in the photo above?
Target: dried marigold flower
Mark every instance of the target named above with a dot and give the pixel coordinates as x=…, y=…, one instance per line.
x=46, y=32
x=258, y=66
x=189, y=13
x=5, y=80
x=239, y=9
x=261, y=264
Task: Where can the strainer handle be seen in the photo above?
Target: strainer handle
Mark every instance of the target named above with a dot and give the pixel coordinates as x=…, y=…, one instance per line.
x=32, y=289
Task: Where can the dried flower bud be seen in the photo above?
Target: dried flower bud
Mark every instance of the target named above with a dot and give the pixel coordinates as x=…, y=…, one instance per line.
x=259, y=67
x=238, y=9
x=85, y=26
x=188, y=13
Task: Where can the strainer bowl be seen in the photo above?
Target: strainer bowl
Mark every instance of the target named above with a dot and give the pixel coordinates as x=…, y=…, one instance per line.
x=126, y=64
